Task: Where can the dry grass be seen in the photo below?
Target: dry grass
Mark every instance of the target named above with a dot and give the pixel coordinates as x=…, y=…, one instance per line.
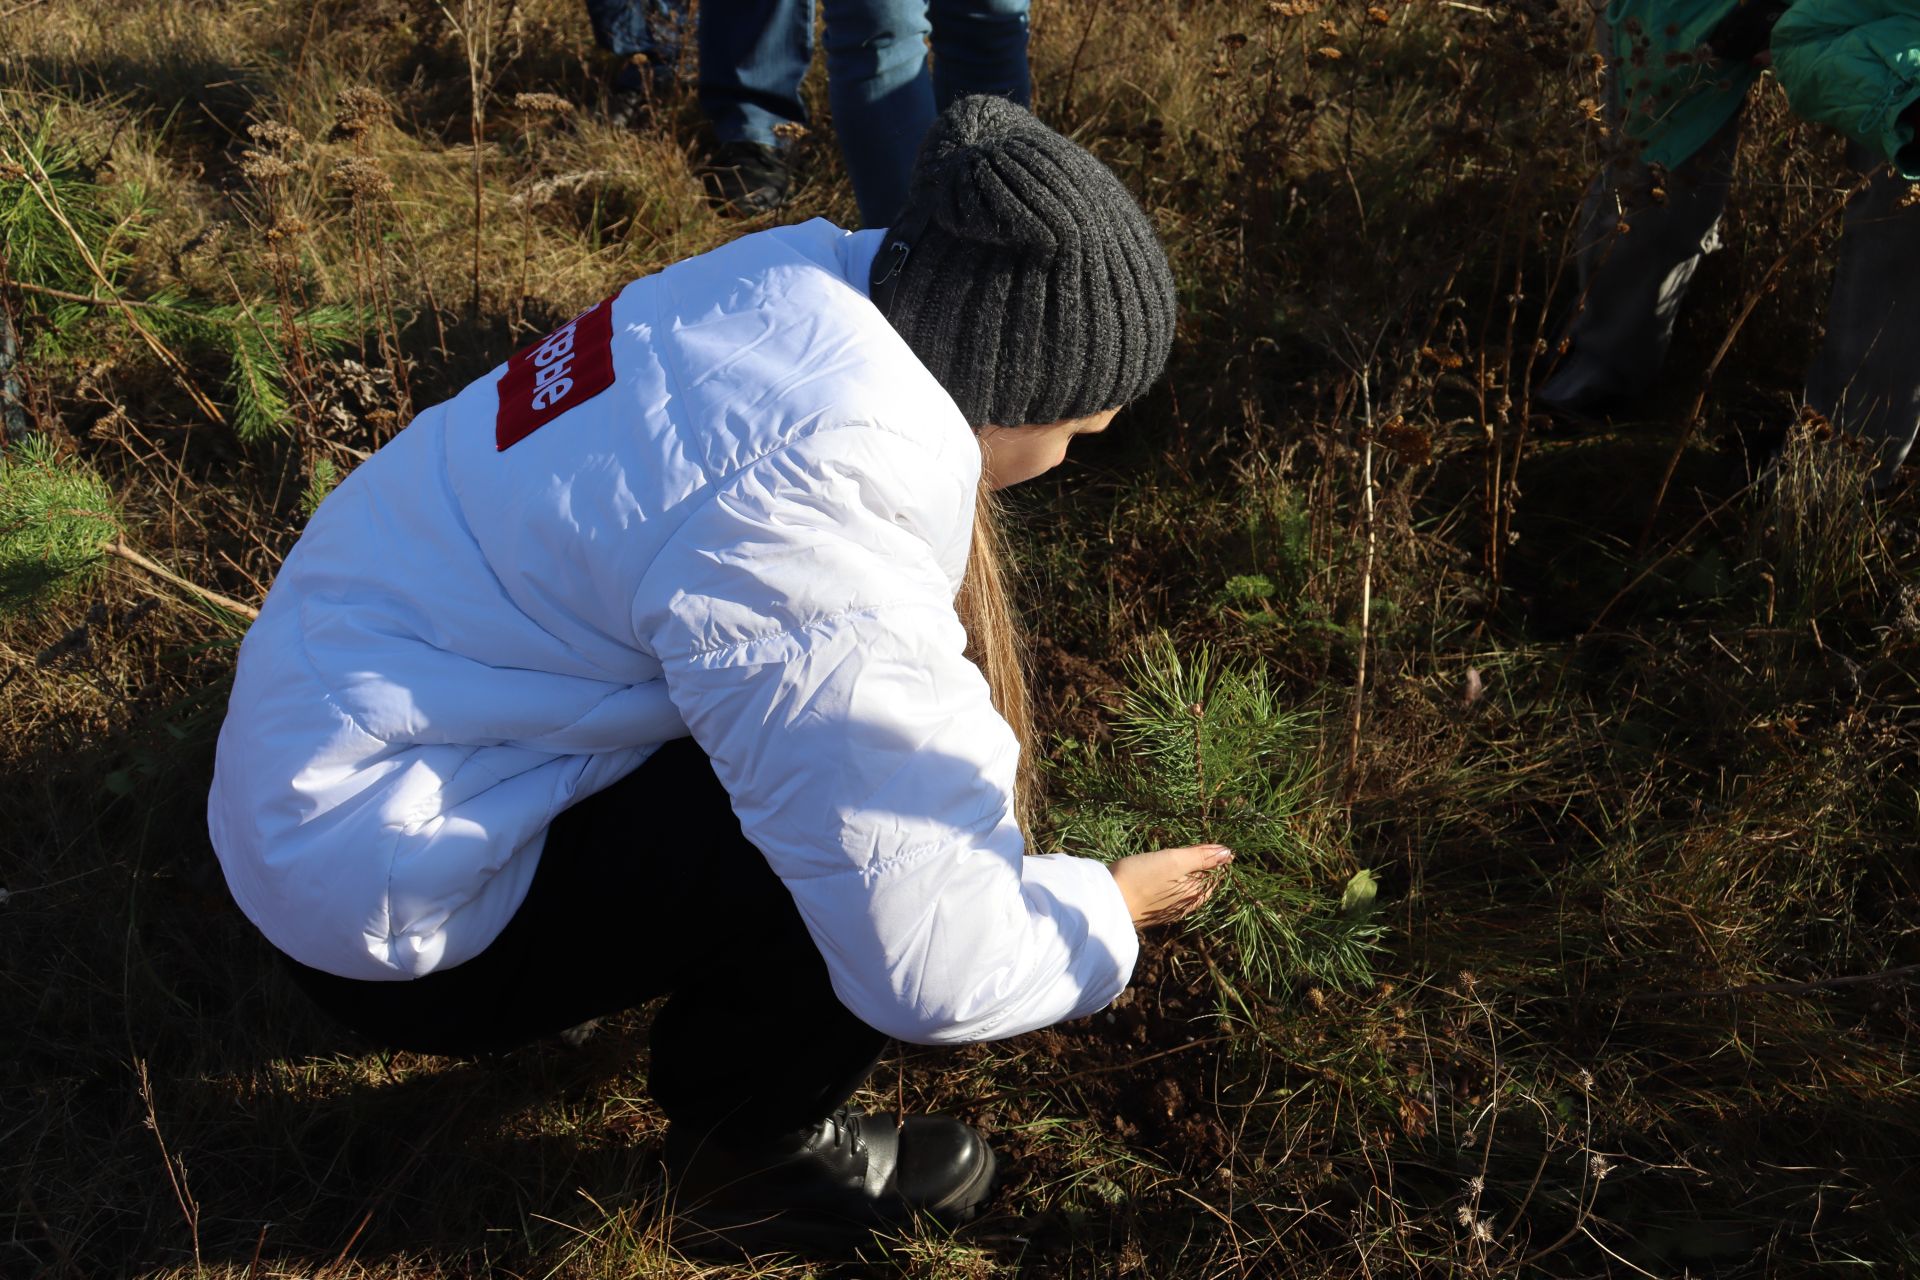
x=1642, y=814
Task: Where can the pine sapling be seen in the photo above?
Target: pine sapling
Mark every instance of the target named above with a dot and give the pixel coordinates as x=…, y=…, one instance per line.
x=1208, y=752
x=54, y=518
x=71, y=245
x=58, y=524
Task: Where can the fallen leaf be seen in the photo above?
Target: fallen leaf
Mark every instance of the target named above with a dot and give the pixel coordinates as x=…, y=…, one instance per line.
x=1359, y=895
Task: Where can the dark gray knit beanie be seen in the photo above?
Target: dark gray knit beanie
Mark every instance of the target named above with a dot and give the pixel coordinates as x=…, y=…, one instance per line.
x=1022, y=273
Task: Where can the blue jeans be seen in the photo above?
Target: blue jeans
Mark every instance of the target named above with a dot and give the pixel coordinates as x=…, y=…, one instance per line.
x=753, y=56
x=754, y=53
x=656, y=28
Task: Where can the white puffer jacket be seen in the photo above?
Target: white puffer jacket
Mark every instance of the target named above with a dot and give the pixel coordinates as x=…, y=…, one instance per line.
x=730, y=502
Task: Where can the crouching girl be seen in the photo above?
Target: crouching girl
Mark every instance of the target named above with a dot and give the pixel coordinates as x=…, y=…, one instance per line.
x=671, y=658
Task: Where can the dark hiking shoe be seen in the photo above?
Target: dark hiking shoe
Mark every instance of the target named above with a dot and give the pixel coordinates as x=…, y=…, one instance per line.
x=639, y=93
x=1582, y=394
x=746, y=178
x=827, y=1189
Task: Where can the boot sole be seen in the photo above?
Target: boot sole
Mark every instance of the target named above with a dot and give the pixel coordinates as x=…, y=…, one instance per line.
x=730, y=1233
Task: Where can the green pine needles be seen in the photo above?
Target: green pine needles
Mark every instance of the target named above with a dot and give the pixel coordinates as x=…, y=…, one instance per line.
x=254, y=342
x=1207, y=752
x=47, y=181
x=54, y=519
x=71, y=244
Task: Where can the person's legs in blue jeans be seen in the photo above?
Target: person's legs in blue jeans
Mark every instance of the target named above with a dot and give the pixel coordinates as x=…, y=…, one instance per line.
x=883, y=95
x=979, y=46
x=653, y=29
x=753, y=56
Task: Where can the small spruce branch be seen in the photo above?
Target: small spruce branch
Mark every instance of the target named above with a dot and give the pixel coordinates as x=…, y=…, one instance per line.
x=160, y=349
x=258, y=365
x=117, y=303
x=1200, y=744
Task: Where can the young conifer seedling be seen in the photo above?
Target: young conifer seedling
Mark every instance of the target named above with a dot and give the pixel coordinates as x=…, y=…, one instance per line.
x=1205, y=751
x=55, y=515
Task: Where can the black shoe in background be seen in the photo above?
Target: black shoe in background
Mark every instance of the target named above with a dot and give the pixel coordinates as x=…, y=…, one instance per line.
x=639, y=92
x=827, y=1189
x=746, y=178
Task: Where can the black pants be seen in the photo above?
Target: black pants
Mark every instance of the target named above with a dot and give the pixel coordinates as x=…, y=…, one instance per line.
x=648, y=888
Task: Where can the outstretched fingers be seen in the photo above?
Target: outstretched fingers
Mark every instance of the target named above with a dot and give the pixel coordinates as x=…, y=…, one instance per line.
x=1170, y=884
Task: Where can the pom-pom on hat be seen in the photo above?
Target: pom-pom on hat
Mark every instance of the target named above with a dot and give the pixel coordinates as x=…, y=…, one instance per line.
x=1022, y=273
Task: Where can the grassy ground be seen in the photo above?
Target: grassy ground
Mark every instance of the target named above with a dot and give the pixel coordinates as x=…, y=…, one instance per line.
x=1637, y=772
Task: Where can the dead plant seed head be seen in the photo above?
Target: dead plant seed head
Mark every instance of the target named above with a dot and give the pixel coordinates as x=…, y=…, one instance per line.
x=271, y=162
x=283, y=249
x=358, y=110
x=543, y=104
x=1412, y=446
x=271, y=133
x=264, y=167
x=360, y=178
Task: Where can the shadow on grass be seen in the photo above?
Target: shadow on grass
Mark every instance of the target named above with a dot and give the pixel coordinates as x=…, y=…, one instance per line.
x=121, y=959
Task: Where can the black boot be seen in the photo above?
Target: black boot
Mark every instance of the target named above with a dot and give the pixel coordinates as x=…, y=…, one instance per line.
x=639, y=93
x=746, y=178
x=829, y=1188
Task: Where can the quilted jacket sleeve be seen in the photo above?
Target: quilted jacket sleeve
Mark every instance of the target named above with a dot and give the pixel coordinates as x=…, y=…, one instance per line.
x=1668, y=101
x=809, y=641
x=1855, y=65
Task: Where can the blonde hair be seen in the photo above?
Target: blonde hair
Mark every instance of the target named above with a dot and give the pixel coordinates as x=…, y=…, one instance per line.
x=997, y=644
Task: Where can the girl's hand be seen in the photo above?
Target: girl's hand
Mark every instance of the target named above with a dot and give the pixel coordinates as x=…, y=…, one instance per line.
x=1163, y=886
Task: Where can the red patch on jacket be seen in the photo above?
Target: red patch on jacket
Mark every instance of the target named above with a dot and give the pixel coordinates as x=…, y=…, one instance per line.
x=563, y=370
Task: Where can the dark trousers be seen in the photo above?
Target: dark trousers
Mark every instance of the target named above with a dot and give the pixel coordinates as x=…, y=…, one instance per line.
x=1865, y=378
x=648, y=888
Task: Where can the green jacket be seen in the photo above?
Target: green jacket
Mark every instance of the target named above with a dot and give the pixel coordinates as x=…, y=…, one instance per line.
x=1850, y=64
x=1855, y=65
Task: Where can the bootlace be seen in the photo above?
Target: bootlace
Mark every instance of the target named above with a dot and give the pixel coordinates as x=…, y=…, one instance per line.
x=843, y=1129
